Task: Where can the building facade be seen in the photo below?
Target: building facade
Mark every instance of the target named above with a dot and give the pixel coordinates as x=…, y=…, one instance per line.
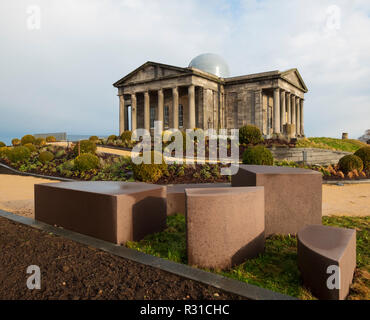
x=189, y=97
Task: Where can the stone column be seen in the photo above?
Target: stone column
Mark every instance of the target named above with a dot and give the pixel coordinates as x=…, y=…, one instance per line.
x=191, y=97
x=298, y=116
x=146, y=111
x=293, y=107
x=133, y=111
x=160, y=106
x=288, y=108
x=175, y=107
x=276, y=111
x=121, y=114
x=282, y=111
x=302, y=118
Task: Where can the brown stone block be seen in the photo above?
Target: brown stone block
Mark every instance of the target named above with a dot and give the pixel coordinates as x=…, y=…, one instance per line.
x=113, y=211
x=225, y=226
x=320, y=247
x=293, y=196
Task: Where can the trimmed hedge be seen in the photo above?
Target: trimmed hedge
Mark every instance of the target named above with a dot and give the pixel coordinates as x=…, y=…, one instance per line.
x=94, y=138
x=28, y=139
x=126, y=136
x=86, y=161
x=46, y=156
x=258, y=155
x=16, y=142
x=2, y=144
x=51, y=139
x=349, y=163
x=40, y=142
x=19, y=154
x=149, y=172
x=250, y=135
x=4, y=152
x=86, y=146
x=30, y=147
x=364, y=154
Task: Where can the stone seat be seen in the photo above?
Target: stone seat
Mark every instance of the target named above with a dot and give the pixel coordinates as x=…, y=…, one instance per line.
x=225, y=226
x=293, y=196
x=320, y=247
x=113, y=211
x=176, y=195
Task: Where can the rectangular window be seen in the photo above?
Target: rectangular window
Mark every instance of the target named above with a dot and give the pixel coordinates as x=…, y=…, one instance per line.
x=152, y=117
x=166, y=116
x=181, y=116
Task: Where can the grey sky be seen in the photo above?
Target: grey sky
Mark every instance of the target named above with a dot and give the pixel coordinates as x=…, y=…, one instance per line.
x=59, y=78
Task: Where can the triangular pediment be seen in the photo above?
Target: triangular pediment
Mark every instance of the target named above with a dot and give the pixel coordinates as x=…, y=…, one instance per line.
x=293, y=77
x=150, y=71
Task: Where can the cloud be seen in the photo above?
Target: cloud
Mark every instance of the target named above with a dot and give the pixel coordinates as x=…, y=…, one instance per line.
x=59, y=78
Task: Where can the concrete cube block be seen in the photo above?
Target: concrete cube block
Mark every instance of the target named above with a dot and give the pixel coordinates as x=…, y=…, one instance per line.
x=113, y=211
x=319, y=249
x=293, y=196
x=225, y=226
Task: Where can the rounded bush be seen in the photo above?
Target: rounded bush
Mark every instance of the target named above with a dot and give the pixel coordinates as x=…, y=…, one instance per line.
x=4, y=152
x=86, y=161
x=364, y=154
x=94, y=138
x=51, y=139
x=28, y=139
x=30, y=147
x=46, y=156
x=86, y=146
x=250, y=135
x=16, y=142
x=258, y=155
x=2, y=144
x=112, y=137
x=19, y=154
x=149, y=172
x=40, y=142
x=349, y=163
x=126, y=136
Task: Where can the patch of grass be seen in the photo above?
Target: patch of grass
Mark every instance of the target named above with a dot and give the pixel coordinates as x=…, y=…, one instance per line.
x=276, y=269
x=349, y=145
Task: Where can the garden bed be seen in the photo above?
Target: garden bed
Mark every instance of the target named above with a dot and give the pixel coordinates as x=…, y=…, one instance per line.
x=70, y=270
x=276, y=269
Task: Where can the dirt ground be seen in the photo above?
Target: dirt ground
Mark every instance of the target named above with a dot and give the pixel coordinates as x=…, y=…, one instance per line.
x=16, y=195
x=70, y=270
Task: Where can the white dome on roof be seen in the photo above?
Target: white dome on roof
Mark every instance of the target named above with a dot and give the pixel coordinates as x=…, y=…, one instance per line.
x=211, y=63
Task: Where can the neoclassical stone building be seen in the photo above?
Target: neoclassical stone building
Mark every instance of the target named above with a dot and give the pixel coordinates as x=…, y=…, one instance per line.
x=204, y=96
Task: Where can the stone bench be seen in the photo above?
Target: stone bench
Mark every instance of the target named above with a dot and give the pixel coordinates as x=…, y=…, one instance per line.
x=320, y=247
x=113, y=211
x=176, y=195
x=293, y=196
x=225, y=226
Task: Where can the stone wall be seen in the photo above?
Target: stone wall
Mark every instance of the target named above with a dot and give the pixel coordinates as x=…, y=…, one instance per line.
x=313, y=155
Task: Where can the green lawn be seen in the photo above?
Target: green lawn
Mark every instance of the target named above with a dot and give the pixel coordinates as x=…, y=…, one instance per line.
x=276, y=269
x=349, y=145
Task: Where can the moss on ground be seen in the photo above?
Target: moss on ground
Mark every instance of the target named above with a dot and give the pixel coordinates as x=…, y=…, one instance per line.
x=276, y=269
x=349, y=145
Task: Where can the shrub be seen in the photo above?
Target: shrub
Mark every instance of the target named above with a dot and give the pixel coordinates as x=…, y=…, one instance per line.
x=149, y=172
x=258, y=155
x=349, y=163
x=112, y=137
x=126, y=136
x=2, y=144
x=19, y=154
x=40, y=142
x=94, y=138
x=364, y=154
x=86, y=161
x=30, y=147
x=16, y=142
x=86, y=146
x=250, y=135
x=46, y=156
x=28, y=139
x=4, y=152
x=51, y=139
